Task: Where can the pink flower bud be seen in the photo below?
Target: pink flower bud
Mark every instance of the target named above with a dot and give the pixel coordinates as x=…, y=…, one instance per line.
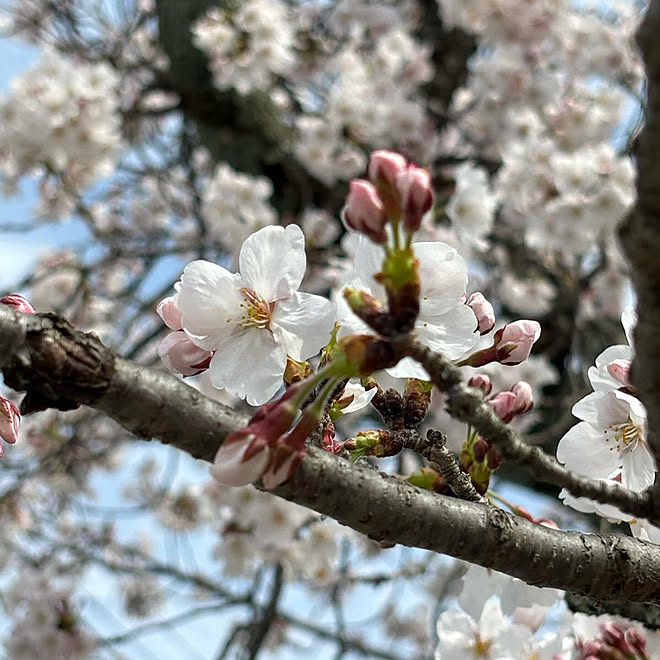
x=181, y=356
x=514, y=341
x=18, y=302
x=482, y=381
x=524, y=397
x=169, y=312
x=241, y=459
x=364, y=211
x=504, y=405
x=620, y=371
x=484, y=312
x=10, y=420
x=385, y=166
x=416, y=193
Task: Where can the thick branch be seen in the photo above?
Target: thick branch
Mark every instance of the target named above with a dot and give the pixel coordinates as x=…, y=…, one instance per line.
x=154, y=404
x=640, y=236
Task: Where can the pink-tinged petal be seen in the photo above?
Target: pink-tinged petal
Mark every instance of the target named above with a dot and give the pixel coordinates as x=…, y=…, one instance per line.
x=210, y=302
x=584, y=450
x=514, y=341
x=443, y=277
x=180, y=355
x=10, y=420
x=250, y=365
x=308, y=317
x=230, y=467
x=272, y=261
x=169, y=312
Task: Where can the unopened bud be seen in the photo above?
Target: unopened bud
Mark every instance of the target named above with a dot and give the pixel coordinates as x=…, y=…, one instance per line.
x=385, y=166
x=364, y=211
x=480, y=449
x=481, y=381
x=514, y=341
x=524, y=397
x=416, y=193
x=483, y=310
x=503, y=405
x=10, y=420
x=18, y=302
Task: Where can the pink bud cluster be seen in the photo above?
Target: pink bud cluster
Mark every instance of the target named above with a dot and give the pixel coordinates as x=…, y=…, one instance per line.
x=267, y=447
x=396, y=190
x=616, y=642
x=178, y=353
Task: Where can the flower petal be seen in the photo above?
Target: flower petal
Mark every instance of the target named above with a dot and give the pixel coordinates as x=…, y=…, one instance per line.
x=443, y=277
x=272, y=261
x=584, y=450
x=452, y=334
x=250, y=365
x=230, y=469
x=209, y=298
x=308, y=317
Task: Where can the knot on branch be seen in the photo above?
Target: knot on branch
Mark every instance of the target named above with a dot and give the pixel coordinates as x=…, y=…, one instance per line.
x=58, y=366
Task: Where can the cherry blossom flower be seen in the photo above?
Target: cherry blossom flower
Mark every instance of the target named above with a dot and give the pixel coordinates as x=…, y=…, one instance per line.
x=255, y=318
x=492, y=638
x=611, y=438
x=445, y=323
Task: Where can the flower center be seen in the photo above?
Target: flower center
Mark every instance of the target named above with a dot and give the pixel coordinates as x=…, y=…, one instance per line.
x=481, y=647
x=256, y=310
x=626, y=435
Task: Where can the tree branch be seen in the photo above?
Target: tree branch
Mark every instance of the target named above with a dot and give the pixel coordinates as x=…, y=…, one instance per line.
x=154, y=404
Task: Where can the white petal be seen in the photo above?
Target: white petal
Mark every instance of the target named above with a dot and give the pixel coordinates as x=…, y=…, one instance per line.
x=583, y=449
x=361, y=397
x=443, y=276
x=249, y=365
x=209, y=299
x=408, y=368
x=272, y=261
x=451, y=334
x=367, y=261
x=492, y=622
x=638, y=468
x=307, y=316
x=601, y=409
x=629, y=321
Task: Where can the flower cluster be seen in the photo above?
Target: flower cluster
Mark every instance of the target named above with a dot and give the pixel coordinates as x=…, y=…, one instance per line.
x=249, y=47
x=235, y=205
x=61, y=117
